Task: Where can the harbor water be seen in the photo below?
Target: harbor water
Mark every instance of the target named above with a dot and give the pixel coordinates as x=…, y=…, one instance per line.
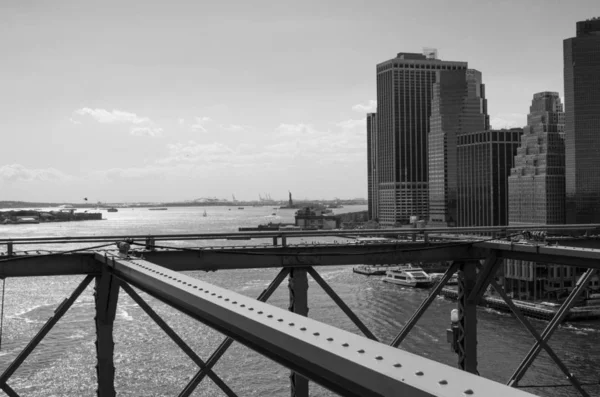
x=148, y=363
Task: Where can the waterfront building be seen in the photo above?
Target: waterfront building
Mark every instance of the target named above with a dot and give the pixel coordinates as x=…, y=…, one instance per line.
x=404, y=93
x=458, y=106
x=372, y=199
x=536, y=185
x=582, y=123
x=316, y=218
x=484, y=162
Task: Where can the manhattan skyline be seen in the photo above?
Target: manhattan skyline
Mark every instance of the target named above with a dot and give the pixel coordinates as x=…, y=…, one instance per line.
x=143, y=102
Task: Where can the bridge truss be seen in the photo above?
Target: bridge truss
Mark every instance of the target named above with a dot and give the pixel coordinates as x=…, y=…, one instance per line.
x=346, y=363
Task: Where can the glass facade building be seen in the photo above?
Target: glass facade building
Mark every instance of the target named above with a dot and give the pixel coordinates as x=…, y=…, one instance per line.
x=582, y=123
x=404, y=94
x=458, y=106
x=536, y=185
x=484, y=162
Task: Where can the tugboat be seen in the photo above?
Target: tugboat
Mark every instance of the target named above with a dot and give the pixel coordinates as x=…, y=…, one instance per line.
x=112, y=209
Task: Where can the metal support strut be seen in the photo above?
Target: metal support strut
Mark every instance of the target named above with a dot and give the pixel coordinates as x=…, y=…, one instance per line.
x=106, y=297
x=58, y=313
x=298, y=286
x=467, y=320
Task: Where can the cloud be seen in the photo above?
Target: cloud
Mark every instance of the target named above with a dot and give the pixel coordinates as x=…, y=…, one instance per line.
x=146, y=131
x=19, y=173
x=140, y=126
x=508, y=120
x=351, y=124
x=74, y=121
x=115, y=116
x=200, y=124
x=296, y=130
x=235, y=127
x=370, y=107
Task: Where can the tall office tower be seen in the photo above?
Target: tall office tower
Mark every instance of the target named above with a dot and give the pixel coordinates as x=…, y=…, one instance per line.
x=536, y=185
x=372, y=165
x=404, y=93
x=582, y=123
x=458, y=106
x=484, y=162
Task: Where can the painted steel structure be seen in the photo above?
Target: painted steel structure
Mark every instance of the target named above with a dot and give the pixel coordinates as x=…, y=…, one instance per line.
x=348, y=364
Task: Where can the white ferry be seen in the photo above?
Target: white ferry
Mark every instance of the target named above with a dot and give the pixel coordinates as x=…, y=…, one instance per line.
x=408, y=276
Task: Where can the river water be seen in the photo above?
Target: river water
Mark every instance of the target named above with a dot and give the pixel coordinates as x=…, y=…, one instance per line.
x=148, y=363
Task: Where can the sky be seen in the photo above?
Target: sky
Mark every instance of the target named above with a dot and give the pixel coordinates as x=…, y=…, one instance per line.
x=137, y=100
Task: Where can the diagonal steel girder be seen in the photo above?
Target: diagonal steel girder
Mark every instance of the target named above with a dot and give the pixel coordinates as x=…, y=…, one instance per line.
x=58, y=313
x=341, y=304
x=517, y=312
x=551, y=327
x=176, y=338
x=343, y=362
x=424, y=305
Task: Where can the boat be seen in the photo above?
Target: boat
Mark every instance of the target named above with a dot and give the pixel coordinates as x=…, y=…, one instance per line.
x=112, y=209
x=372, y=270
x=158, y=209
x=274, y=214
x=204, y=214
x=436, y=277
x=408, y=276
x=240, y=208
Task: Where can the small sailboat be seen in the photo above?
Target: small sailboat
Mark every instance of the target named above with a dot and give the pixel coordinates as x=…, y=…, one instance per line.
x=204, y=214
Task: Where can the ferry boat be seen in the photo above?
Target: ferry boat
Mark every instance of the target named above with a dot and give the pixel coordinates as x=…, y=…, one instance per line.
x=158, y=209
x=112, y=209
x=408, y=276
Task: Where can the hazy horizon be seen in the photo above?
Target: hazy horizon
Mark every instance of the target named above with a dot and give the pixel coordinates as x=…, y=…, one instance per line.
x=132, y=101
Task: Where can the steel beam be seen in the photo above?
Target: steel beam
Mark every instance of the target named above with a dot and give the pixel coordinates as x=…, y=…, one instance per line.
x=20, y=265
x=9, y=390
x=424, y=305
x=58, y=313
x=517, y=312
x=298, y=291
x=343, y=362
x=176, y=338
x=310, y=255
x=218, y=353
x=487, y=272
x=106, y=297
x=341, y=304
x=551, y=327
x=467, y=318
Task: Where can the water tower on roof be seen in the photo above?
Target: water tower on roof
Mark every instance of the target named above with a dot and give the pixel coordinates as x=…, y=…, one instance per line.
x=430, y=53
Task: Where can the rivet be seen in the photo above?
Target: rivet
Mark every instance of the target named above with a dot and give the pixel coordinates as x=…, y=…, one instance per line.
x=280, y=319
x=378, y=358
x=234, y=302
x=195, y=286
x=213, y=294
x=419, y=373
x=250, y=308
x=242, y=305
x=260, y=312
x=303, y=329
x=220, y=296
x=330, y=339
x=270, y=316
x=316, y=334
x=397, y=365
x=361, y=351
x=345, y=344
x=291, y=324
x=469, y=392
x=200, y=289
x=226, y=299
x=443, y=382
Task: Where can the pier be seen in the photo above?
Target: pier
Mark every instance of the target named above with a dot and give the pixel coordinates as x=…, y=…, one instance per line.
x=345, y=363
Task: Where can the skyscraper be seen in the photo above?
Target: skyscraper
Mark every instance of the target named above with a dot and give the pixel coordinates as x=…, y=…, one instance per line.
x=536, y=184
x=404, y=93
x=458, y=106
x=373, y=182
x=582, y=123
x=484, y=162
